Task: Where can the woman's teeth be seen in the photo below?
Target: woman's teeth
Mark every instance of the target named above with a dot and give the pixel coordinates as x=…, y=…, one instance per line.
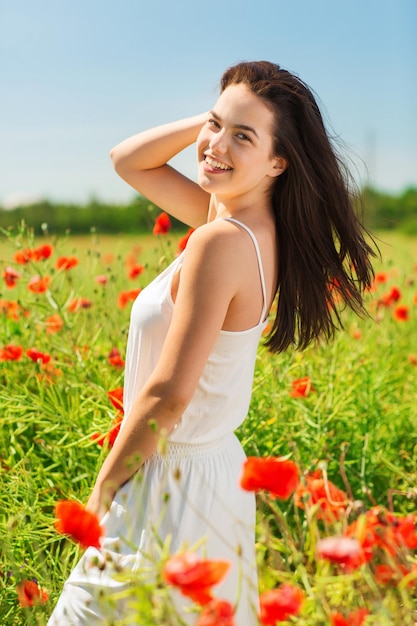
x=217, y=164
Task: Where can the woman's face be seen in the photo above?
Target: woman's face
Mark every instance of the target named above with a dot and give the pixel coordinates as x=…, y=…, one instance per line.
x=235, y=146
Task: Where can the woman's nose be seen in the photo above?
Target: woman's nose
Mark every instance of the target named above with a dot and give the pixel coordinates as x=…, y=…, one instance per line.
x=218, y=141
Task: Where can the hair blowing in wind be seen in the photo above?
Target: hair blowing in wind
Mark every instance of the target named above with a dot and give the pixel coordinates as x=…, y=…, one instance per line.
x=323, y=253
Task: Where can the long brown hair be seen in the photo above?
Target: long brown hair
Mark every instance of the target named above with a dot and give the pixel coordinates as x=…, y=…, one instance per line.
x=323, y=254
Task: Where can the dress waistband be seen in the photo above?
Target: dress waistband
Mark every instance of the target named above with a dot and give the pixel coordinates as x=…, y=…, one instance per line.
x=175, y=450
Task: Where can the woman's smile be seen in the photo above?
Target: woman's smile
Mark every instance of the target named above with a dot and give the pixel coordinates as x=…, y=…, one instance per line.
x=215, y=166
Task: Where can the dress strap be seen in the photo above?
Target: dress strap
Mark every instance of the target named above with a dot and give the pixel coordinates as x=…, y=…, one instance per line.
x=260, y=265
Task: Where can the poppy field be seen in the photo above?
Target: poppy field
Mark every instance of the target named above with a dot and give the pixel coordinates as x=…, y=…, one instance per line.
x=331, y=439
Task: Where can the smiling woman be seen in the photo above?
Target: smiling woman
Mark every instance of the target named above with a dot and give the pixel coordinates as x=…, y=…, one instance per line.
x=272, y=215
x=243, y=163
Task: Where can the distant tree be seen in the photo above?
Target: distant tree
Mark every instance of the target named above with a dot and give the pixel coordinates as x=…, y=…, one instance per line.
x=382, y=211
x=137, y=216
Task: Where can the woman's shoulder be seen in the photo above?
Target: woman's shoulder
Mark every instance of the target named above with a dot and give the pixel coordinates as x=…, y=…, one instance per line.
x=217, y=233
x=218, y=241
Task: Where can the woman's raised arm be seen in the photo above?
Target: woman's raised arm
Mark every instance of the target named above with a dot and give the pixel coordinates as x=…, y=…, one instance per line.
x=142, y=161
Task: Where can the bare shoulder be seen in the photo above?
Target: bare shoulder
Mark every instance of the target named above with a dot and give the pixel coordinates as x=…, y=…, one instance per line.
x=219, y=239
x=213, y=259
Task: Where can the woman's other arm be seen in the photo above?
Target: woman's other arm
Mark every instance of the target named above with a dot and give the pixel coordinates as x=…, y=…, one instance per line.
x=209, y=281
x=142, y=160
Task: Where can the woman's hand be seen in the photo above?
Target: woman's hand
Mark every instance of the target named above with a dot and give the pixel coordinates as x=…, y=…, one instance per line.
x=100, y=500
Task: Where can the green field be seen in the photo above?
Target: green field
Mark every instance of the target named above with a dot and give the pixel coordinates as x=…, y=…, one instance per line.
x=358, y=424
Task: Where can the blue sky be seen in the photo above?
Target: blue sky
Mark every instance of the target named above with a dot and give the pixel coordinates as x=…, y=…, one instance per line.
x=78, y=76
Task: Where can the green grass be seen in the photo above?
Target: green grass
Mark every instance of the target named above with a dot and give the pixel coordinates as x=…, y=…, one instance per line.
x=359, y=422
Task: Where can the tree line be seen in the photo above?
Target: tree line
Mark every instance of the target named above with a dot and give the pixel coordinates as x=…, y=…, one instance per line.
x=382, y=211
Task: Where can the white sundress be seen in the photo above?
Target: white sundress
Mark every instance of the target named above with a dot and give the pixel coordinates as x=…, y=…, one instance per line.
x=190, y=492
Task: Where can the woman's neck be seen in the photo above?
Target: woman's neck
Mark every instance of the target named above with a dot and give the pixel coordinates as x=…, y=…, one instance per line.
x=238, y=208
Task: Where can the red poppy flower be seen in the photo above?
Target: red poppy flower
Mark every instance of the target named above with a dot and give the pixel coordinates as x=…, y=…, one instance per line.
x=381, y=277
x=329, y=500
x=49, y=372
x=79, y=303
x=162, y=224
x=412, y=358
x=116, y=398
x=111, y=436
x=363, y=529
x=115, y=358
x=66, y=262
x=345, y=551
x=392, y=296
x=135, y=270
x=11, y=276
x=278, y=476
x=101, y=279
x=54, y=323
x=405, y=532
x=301, y=387
x=389, y=575
x=385, y=574
x=125, y=296
x=11, y=352
x=42, y=252
x=194, y=576
x=217, y=613
x=74, y=520
x=354, y=618
x=279, y=604
x=182, y=244
x=39, y=284
x=30, y=594
x=36, y=356
x=379, y=528
x=23, y=256
x=401, y=313
x=10, y=308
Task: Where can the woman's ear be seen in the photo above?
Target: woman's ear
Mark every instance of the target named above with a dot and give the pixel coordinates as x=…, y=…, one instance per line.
x=279, y=166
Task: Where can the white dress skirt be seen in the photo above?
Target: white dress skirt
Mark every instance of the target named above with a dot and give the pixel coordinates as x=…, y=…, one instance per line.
x=186, y=497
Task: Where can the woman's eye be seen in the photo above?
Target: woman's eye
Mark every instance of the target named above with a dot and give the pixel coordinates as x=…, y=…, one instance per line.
x=242, y=136
x=214, y=123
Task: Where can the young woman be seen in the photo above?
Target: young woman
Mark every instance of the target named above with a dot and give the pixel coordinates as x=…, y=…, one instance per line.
x=273, y=217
